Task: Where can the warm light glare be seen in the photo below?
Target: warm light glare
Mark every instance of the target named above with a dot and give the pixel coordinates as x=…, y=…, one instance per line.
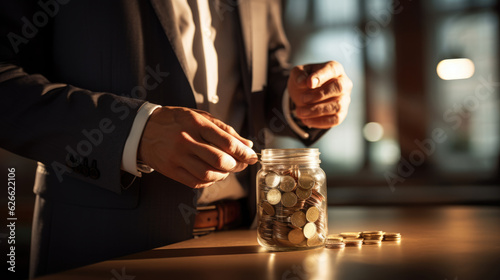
x=455, y=69
x=373, y=131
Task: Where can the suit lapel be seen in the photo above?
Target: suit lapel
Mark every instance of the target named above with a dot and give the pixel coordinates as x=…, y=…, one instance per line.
x=246, y=30
x=165, y=13
x=254, y=28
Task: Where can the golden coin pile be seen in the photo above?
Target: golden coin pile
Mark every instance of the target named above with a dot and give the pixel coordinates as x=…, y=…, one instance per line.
x=291, y=209
x=392, y=236
x=346, y=239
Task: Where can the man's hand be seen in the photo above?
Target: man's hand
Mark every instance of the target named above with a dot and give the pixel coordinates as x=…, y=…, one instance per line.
x=321, y=93
x=192, y=147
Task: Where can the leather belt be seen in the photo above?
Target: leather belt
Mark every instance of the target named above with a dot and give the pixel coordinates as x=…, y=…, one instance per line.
x=219, y=216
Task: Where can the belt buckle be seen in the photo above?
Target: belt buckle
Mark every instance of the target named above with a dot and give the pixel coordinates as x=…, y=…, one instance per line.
x=198, y=232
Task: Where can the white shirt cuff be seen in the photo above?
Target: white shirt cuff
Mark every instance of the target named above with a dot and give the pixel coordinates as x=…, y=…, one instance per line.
x=288, y=116
x=129, y=156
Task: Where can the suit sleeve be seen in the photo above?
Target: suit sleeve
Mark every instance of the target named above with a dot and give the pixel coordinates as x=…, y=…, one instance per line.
x=279, y=70
x=73, y=131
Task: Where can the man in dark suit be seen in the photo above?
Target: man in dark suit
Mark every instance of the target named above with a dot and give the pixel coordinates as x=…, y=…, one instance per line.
x=100, y=93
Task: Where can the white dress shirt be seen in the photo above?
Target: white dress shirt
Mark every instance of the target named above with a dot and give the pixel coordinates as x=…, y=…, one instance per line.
x=204, y=35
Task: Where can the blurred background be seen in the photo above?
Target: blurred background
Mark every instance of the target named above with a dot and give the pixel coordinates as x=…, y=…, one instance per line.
x=424, y=123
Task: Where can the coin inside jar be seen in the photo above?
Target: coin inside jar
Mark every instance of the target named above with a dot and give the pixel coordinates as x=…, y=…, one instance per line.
x=298, y=219
x=283, y=202
x=268, y=208
x=272, y=179
x=312, y=214
x=274, y=196
x=287, y=184
x=306, y=181
x=309, y=230
x=288, y=199
x=303, y=194
x=293, y=172
x=296, y=236
x=315, y=241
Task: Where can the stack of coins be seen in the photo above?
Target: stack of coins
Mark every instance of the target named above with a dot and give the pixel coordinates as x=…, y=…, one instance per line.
x=332, y=244
x=357, y=239
x=351, y=238
x=335, y=237
x=392, y=236
x=353, y=242
x=350, y=234
x=372, y=237
x=292, y=209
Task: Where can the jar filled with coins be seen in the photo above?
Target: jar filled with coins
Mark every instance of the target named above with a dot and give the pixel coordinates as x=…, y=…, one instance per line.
x=291, y=200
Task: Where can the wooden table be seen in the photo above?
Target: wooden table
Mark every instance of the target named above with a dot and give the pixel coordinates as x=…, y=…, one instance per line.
x=453, y=243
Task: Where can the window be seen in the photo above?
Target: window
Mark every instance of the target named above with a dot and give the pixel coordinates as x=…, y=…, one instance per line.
x=390, y=50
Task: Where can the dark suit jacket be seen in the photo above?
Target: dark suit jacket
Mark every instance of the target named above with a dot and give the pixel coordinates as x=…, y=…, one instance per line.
x=72, y=77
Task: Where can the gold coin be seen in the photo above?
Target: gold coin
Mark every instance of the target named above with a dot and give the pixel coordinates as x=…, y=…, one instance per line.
x=352, y=238
x=335, y=245
x=298, y=219
x=372, y=241
x=303, y=194
x=353, y=242
x=373, y=232
x=296, y=236
x=274, y=196
x=268, y=208
x=312, y=214
x=372, y=237
x=334, y=238
x=295, y=173
x=315, y=241
x=350, y=234
x=392, y=239
x=306, y=181
x=287, y=183
x=288, y=199
x=392, y=234
x=309, y=230
x=272, y=179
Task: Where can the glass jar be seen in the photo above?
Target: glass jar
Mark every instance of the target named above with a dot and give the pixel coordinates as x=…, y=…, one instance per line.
x=291, y=200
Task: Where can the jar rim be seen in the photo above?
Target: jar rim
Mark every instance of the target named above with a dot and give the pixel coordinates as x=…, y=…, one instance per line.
x=300, y=155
